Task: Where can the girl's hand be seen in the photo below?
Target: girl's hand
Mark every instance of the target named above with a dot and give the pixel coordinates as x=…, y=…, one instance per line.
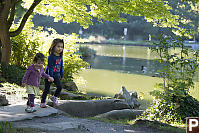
x=62, y=78
x=23, y=84
x=50, y=79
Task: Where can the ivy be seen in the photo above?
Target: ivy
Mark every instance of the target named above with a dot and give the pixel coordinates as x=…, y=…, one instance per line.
x=172, y=102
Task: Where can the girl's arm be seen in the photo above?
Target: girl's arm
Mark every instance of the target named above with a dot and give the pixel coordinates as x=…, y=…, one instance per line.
x=46, y=76
x=61, y=71
x=43, y=74
x=50, y=65
x=26, y=75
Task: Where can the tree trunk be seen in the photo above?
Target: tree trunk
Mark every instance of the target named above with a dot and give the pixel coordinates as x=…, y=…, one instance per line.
x=5, y=41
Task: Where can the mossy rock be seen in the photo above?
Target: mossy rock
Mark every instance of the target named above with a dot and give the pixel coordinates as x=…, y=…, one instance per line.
x=3, y=100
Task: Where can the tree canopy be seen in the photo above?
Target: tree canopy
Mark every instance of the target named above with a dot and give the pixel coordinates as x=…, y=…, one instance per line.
x=80, y=11
x=83, y=11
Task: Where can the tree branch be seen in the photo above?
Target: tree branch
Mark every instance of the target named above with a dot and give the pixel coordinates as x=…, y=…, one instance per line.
x=12, y=13
x=25, y=18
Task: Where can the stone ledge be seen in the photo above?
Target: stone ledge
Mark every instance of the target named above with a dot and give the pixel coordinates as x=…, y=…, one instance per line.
x=17, y=112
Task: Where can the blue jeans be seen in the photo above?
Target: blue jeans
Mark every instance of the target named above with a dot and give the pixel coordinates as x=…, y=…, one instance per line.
x=58, y=84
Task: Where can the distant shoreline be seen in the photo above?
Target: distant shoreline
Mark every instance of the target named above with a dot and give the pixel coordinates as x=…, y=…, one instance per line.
x=129, y=44
x=108, y=43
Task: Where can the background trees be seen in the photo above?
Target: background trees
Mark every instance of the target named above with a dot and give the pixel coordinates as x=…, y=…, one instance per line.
x=81, y=11
x=138, y=27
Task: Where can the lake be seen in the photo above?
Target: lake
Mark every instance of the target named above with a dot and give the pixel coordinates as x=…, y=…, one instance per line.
x=115, y=66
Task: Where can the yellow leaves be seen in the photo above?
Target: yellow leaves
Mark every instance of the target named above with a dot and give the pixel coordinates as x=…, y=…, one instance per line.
x=149, y=19
x=178, y=31
x=185, y=21
x=141, y=95
x=27, y=3
x=181, y=6
x=83, y=11
x=81, y=83
x=94, y=10
x=194, y=6
x=76, y=10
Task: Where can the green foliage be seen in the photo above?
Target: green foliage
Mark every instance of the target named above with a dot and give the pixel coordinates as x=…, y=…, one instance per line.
x=83, y=11
x=6, y=127
x=161, y=127
x=12, y=73
x=25, y=46
x=172, y=102
x=172, y=108
x=188, y=17
x=23, y=50
x=191, y=0
x=73, y=65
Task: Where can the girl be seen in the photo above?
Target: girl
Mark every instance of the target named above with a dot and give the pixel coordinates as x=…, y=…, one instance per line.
x=31, y=80
x=54, y=69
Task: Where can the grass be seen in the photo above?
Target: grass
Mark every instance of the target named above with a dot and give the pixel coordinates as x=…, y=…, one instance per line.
x=160, y=126
x=29, y=130
x=155, y=125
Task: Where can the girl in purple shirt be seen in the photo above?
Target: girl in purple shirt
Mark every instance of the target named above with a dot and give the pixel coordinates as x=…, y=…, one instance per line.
x=31, y=80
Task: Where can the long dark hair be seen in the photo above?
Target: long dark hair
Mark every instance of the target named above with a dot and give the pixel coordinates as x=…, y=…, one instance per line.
x=54, y=43
x=38, y=56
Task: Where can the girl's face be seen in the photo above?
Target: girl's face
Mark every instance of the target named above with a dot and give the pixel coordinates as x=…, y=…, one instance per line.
x=58, y=48
x=38, y=64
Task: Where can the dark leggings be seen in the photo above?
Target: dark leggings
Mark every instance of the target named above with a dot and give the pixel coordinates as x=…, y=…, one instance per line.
x=58, y=84
x=30, y=101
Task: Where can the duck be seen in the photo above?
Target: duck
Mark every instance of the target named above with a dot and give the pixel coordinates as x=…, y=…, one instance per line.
x=143, y=69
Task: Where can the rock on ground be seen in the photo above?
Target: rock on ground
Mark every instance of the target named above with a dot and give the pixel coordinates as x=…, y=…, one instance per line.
x=61, y=123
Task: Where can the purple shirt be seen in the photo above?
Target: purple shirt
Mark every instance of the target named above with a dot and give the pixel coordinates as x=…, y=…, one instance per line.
x=33, y=76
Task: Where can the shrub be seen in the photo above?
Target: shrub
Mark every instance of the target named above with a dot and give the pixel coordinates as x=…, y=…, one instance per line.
x=172, y=102
x=23, y=50
x=85, y=51
x=12, y=73
x=25, y=46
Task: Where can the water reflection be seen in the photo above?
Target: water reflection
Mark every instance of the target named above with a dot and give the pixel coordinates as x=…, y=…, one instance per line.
x=116, y=66
x=123, y=58
x=126, y=59
x=193, y=46
x=124, y=65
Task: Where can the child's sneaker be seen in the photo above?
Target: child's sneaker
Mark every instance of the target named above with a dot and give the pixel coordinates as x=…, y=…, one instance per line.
x=55, y=101
x=30, y=109
x=43, y=105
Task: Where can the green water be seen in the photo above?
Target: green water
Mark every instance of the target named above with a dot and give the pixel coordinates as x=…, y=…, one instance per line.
x=117, y=66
